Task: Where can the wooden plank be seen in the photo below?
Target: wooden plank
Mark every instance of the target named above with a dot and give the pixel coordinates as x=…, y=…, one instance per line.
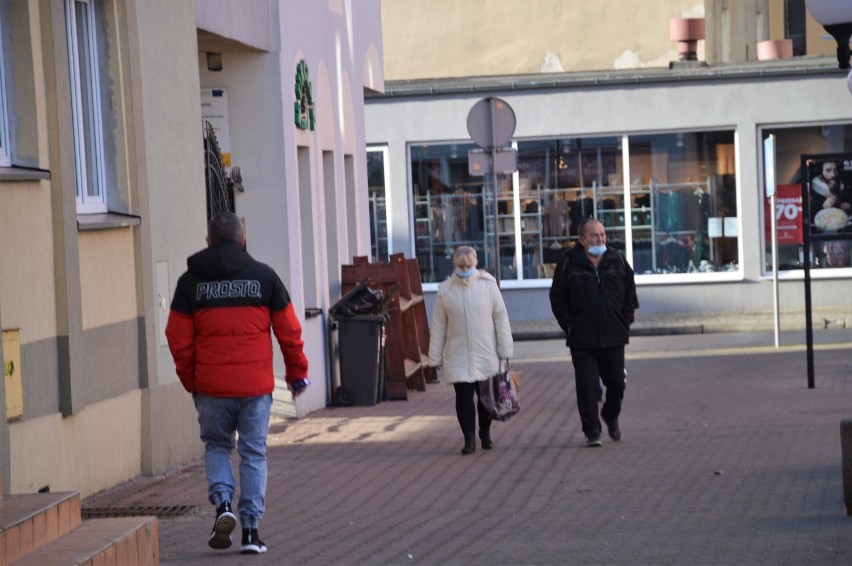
x=421, y=321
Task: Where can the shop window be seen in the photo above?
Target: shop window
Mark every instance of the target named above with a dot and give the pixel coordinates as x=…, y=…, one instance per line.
x=835, y=177
x=683, y=203
x=377, y=186
x=453, y=208
x=86, y=105
x=677, y=215
x=562, y=182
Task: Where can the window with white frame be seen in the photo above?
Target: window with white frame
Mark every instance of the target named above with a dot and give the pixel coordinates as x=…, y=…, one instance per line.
x=668, y=202
x=835, y=179
x=86, y=105
x=5, y=154
x=377, y=164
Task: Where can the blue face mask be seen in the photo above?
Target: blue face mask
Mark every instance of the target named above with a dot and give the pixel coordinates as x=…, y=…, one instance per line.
x=465, y=274
x=597, y=250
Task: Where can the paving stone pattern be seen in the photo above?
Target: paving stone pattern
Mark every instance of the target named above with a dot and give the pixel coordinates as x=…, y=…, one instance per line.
x=727, y=458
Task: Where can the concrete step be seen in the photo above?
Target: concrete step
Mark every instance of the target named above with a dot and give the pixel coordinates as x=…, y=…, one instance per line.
x=29, y=522
x=115, y=541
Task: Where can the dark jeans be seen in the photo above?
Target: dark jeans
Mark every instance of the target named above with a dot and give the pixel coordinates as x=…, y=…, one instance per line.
x=590, y=365
x=466, y=410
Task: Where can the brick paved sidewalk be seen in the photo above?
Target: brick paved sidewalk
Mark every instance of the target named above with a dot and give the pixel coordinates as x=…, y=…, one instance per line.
x=726, y=459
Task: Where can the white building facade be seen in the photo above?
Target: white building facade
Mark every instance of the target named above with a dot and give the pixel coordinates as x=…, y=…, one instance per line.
x=670, y=160
x=304, y=201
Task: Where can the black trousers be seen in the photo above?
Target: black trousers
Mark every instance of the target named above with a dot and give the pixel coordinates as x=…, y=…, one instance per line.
x=466, y=409
x=590, y=366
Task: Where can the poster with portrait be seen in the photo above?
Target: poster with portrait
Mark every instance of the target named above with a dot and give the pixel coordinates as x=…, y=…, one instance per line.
x=828, y=195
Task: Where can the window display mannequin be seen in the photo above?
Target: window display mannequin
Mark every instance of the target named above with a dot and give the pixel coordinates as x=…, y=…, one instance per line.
x=556, y=220
x=836, y=254
x=445, y=219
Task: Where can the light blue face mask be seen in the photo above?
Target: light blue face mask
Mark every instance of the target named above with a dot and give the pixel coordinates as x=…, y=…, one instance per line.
x=597, y=250
x=465, y=274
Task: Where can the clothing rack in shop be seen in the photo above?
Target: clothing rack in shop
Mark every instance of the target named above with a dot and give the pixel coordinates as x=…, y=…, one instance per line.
x=404, y=359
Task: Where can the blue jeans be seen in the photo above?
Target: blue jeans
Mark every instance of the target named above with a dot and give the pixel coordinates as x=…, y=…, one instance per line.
x=219, y=418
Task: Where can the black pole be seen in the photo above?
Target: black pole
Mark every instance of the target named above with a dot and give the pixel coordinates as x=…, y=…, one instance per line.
x=806, y=233
x=841, y=34
x=809, y=326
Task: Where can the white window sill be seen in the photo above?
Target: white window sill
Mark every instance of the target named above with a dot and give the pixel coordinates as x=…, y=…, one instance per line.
x=12, y=174
x=106, y=221
x=816, y=273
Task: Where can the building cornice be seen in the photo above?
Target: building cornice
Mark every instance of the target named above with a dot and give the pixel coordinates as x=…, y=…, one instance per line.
x=792, y=68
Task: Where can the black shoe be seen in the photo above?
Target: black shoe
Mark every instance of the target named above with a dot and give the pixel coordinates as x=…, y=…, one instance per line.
x=220, y=536
x=613, y=430
x=593, y=441
x=251, y=543
x=469, y=444
x=485, y=438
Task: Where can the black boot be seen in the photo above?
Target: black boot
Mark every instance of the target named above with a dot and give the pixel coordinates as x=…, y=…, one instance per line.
x=469, y=444
x=485, y=437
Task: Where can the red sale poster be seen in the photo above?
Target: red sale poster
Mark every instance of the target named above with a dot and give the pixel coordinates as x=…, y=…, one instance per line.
x=788, y=215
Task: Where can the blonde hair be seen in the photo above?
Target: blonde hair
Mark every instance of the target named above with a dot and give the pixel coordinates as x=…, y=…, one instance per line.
x=465, y=252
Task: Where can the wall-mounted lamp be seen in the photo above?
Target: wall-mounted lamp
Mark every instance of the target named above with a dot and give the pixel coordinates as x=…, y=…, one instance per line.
x=214, y=62
x=235, y=179
x=836, y=17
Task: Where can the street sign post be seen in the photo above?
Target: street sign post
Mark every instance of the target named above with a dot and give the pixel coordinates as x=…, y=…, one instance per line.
x=772, y=194
x=491, y=123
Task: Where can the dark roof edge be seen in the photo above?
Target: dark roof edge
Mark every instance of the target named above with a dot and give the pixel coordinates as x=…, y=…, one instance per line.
x=797, y=67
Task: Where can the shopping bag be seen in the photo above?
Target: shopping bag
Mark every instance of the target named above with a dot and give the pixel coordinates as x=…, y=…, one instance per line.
x=499, y=394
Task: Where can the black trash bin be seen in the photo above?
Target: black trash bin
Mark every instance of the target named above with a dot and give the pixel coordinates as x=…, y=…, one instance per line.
x=361, y=351
x=360, y=320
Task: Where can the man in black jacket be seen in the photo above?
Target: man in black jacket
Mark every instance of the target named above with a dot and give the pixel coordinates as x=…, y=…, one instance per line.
x=593, y=297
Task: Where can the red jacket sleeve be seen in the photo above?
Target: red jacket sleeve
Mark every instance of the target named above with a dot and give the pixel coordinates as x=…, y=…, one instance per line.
x=288, y=332
x=181, y=336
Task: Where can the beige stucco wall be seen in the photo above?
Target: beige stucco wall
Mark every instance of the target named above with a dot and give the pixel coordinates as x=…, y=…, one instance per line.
x=818, y=41
x=449, y=38
x=27, y=285
x=170, y=169
x=79, y=453
x=107, y=277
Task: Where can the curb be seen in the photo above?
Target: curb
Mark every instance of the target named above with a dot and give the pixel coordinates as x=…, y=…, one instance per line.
x=530, y=335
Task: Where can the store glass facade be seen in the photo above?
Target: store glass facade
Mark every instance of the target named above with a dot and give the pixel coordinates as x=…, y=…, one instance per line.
x=677, y=213
x=683, y=199
x=790, y=144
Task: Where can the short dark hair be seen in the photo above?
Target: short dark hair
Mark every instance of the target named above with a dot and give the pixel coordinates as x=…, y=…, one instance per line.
x=581, y=228
x=224, y=228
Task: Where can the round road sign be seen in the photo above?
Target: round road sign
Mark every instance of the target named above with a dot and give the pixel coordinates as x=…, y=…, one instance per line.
x=491, y=122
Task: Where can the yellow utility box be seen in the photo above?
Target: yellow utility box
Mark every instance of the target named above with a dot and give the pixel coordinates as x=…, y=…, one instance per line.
x=12, y=371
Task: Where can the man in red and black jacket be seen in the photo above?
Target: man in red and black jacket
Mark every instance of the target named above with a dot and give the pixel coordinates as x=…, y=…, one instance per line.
x=219, y=335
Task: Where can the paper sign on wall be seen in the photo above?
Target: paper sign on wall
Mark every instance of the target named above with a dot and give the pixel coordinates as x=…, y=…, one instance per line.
x=714, y=227
x=731, y=229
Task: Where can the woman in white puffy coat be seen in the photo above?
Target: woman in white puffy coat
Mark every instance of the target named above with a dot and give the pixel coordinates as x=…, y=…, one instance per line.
x=470, y=334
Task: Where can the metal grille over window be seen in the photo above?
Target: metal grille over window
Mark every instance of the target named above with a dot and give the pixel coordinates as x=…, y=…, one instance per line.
x=220, y=189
